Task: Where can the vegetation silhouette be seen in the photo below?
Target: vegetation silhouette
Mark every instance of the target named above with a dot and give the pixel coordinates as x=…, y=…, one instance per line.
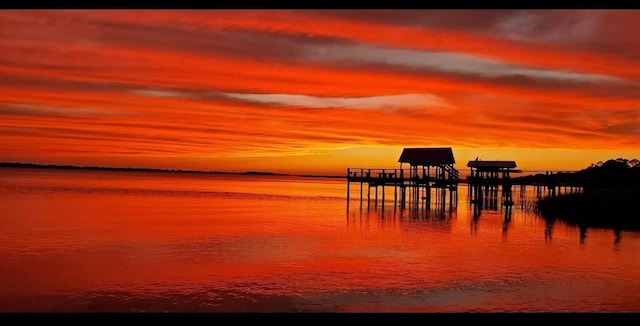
x=609, y=199
x=103, y=168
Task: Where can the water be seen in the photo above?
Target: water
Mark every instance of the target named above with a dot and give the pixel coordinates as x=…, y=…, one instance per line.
x=139, y=241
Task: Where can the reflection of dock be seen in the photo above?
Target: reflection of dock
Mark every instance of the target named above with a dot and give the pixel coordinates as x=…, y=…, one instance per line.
x=429, y=175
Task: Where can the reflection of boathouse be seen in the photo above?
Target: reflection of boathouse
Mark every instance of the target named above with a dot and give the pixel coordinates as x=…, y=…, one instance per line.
x=428, y=169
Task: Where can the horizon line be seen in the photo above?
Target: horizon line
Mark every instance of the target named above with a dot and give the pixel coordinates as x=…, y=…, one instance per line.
x=150, y=169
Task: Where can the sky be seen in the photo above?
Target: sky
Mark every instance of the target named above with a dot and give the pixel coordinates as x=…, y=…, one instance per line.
x=318, y=91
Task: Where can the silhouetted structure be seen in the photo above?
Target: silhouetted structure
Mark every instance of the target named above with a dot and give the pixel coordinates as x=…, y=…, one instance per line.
x=485, y=179
x=491, y=171
x=606, y=193
x=553, y=183
x=429, y=168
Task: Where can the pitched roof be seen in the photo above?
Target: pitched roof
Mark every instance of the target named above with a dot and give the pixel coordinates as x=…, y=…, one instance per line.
x=427, y=156
x=492, y=164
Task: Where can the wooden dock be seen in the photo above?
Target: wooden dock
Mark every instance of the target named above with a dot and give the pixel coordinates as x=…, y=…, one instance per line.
x=430, y=174
x=431, y=177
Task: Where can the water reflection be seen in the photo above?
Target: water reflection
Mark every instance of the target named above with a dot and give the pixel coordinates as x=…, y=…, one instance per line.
x=486, y=198
x=236, y=250
x=439, y=218
x=383, y=215
x=583, y=233
x=548, y=229
x=507, y=220
x=429, y=222
x=485, y=201
x=617, y=237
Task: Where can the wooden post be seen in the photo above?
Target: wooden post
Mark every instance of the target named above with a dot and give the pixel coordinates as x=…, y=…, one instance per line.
x=348, y=184
x=376, y=195
x=395, y=188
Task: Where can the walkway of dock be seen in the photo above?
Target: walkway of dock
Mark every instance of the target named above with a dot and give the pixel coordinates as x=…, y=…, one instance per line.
x=406, y=187
x=417, y=191
x=431, y=174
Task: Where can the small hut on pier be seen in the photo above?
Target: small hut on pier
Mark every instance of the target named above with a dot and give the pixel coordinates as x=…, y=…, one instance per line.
x=428, y=168
x=491, y=171
x=487, y=176
x=423, y=161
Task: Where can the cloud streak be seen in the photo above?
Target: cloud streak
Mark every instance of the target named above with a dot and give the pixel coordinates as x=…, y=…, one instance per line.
x=371, y=102
x=194, y=89
x=446, y=62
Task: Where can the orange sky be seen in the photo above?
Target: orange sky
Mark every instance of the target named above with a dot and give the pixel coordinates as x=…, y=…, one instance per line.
x=317, y=91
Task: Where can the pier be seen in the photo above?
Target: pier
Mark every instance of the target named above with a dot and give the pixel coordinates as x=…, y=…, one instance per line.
x=551, y=183
x=427, y=178
x=485, y=179
x=430, y=174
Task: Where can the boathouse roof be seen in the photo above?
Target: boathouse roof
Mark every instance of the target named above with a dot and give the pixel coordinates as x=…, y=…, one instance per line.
x=427, y=156
x=492, y=164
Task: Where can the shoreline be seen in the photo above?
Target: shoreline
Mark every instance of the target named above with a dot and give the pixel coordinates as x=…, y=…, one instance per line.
x=604, y=208
x=120, y=169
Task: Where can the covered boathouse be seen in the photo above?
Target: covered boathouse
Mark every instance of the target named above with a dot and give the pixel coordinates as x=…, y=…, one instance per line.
x=491, y=171
x=486, y=177
x=428, y=168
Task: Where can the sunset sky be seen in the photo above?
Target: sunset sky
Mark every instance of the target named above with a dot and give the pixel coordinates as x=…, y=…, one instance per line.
x=317, y=91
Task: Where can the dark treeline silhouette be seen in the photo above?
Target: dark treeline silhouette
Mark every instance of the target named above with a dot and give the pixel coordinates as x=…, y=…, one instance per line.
x=101, y=168
x=608, y=200
x=618, y=173
x=72, y=167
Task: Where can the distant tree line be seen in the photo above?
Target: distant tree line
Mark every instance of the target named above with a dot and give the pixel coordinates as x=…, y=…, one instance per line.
x=70, y=167
x=614, y=173
x=619, y=173
x=75, y=167
x=609, y=199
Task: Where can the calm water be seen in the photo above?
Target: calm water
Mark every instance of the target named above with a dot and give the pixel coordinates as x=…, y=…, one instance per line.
x=129, y=241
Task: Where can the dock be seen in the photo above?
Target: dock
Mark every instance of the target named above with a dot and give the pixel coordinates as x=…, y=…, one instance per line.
x=426, y=178
x=429, y=174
